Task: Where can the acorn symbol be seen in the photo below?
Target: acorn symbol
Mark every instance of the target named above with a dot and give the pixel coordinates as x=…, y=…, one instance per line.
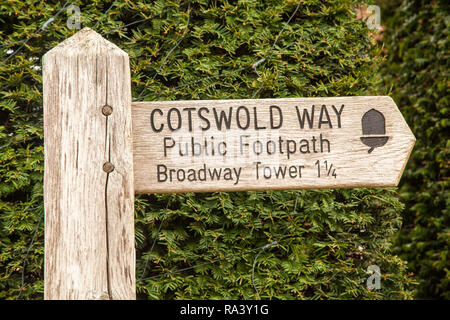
x=374, y=127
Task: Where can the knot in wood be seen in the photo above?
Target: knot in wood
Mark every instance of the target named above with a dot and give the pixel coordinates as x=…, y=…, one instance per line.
x=108, y=167
x=107, y=110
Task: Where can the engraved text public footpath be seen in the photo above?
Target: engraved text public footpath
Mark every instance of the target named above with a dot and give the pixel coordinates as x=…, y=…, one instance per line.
x=188, y=136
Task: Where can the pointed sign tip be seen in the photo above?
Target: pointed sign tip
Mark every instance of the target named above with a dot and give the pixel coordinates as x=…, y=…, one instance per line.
x=84, y=40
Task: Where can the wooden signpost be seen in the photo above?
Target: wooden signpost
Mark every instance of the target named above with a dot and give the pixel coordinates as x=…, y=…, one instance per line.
x=100, y=148
x=268, y=144
x=88, y=177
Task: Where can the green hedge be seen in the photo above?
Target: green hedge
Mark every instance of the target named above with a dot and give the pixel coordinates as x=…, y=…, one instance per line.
x=417, y=72
x=324, y=246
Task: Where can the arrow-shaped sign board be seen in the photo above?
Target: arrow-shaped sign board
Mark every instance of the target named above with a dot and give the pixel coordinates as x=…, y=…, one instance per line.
x=268, y=144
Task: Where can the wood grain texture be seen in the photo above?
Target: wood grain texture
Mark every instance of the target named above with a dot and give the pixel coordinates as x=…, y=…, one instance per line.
x=89, y=214
x=332, y=138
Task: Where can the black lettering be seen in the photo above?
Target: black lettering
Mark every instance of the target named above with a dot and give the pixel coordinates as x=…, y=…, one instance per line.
x=227, y=174
x=208, y=124
x=280, y=115
x=300, y=171
x=238, y=120
x=241, y=144
x=304, y=146
x=212, y=145
x=257, y=169
x=171, y=171
x=186, y=149
x=220, y=150
x=260, y=147
x=338, y=114
x=215, y=173
x=256, y=120
x=322, y=141
x=169, y=122
x=293, y=172
x=274, y=147
x=314, y=144
x=202, y=171
x=264, y=173
x=189, y=110
x=152, y=120
x=161, y=172
x=183, y=176
x=281, y=172
x=280, y=144
x=324, y=111
x=191, y=175
x=238, y=174
x=306, y=116
x=223, y=117
x=194, y=145
x=166, y=146
x=291, y=147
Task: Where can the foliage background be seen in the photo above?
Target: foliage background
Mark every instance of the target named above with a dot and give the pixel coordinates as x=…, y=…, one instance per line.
x=326, y=239
x=417, y=72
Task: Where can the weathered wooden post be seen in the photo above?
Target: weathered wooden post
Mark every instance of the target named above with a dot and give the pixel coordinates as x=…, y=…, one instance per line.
x=88, y=181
